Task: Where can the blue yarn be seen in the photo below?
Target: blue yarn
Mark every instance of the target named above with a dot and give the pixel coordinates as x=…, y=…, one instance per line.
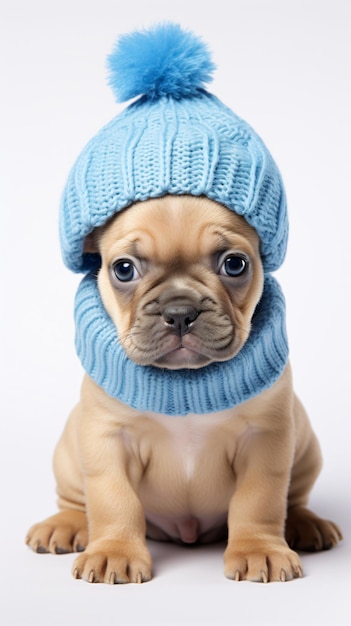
x=162, y=61
x=193, y=146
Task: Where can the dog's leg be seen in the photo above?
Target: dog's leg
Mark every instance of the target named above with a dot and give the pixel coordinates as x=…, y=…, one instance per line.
x=304, y=530
x=257, y=550
x=117, y=551
x=64, y=532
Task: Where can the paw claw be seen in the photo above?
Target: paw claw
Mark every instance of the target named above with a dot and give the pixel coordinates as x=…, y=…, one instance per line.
x=91, y=577
x=75, y=573
x=59, y=550
x=79, y=548
x=264, y=577
x=40, y=549
x=139, y=578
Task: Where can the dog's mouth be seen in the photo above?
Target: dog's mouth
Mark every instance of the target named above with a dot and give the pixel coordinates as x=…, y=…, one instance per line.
x=185, y=352
x=182, y=357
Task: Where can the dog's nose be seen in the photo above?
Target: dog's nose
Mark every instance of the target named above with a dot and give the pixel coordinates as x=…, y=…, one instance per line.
x=180, y=317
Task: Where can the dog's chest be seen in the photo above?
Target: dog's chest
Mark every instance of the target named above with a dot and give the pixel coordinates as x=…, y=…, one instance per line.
x=188, y=460
x=188, y=438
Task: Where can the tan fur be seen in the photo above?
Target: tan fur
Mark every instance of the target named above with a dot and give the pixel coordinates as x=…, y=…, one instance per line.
x=245, y=472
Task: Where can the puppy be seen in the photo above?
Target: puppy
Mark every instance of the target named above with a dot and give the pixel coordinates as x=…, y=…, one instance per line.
x=181, y=278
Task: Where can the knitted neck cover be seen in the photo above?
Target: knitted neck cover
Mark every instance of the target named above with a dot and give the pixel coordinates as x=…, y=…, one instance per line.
x=216, y=387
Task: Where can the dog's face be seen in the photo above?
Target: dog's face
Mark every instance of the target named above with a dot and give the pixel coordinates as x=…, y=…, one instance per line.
x=180, y=278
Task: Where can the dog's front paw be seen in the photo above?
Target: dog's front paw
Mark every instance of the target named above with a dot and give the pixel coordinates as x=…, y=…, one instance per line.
x=261, y=562
x=113, y=562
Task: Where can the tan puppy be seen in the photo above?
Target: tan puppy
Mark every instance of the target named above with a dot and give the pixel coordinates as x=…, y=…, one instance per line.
x=245, y=472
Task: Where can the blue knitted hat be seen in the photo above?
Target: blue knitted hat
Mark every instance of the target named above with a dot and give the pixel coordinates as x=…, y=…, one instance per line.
x=176, y=138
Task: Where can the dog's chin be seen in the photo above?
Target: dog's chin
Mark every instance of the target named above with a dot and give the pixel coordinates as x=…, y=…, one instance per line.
x=182, y=358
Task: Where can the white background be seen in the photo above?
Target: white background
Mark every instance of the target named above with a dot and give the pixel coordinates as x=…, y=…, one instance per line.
x=285, y=67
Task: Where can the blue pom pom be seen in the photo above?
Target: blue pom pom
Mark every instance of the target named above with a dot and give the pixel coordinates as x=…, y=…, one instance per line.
x=162, y=61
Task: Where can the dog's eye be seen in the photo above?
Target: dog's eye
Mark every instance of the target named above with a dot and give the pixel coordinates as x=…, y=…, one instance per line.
x=233, y=266
x=125, y=271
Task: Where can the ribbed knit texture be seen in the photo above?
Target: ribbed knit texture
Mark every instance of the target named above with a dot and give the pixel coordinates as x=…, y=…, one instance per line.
x=179, y=392
x=191, y=146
